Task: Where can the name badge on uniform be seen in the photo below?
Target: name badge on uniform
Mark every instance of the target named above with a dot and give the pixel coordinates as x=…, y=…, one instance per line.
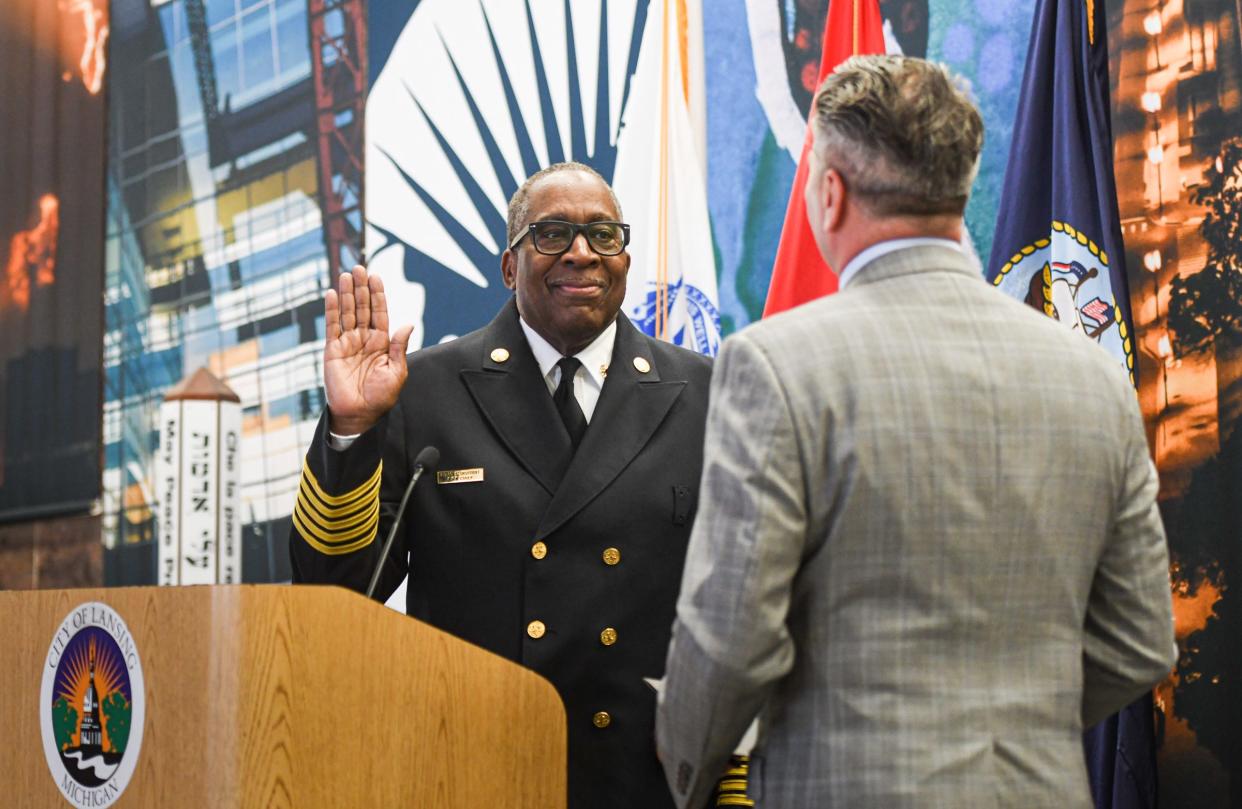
x=460, y=476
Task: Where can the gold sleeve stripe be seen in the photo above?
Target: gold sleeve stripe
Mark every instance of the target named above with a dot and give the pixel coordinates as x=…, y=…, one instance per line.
x=338, y=526
x=340, y=499
x=731, y=789
x=333, y=534
x=336, y=544
x=363, y=494
x=336, y=515
x=338, y=550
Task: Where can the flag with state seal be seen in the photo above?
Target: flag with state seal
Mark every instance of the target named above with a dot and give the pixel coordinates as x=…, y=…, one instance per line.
x=661, y=180
x=1058, y=240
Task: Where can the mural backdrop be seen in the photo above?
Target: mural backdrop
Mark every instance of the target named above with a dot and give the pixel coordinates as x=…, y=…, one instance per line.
x=762, y=57
x=52, y=65
x=1177, y=117
x=466, y=100
x=222, y=195
x=219, y=228
x=1177, y=114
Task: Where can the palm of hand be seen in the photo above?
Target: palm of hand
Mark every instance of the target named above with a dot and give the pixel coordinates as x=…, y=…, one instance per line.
x=359, y=376
x=363, y=367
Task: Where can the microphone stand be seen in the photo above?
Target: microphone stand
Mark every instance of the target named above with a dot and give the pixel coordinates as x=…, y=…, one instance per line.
x=428, y=457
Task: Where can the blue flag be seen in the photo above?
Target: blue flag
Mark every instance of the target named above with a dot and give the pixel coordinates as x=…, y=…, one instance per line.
x=1058, y=241
x=1058, y=248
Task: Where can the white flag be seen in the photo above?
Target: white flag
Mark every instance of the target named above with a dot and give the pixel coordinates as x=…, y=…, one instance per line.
x=671, y=292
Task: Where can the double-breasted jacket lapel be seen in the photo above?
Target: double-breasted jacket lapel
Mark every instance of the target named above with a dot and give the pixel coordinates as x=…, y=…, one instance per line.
x=632, y=404
x=513, y=398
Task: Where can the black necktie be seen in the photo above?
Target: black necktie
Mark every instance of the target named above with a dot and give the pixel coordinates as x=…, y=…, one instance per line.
x=567, y=403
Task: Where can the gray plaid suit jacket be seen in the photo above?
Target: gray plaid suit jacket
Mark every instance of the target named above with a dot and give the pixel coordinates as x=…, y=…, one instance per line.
x=927, y=554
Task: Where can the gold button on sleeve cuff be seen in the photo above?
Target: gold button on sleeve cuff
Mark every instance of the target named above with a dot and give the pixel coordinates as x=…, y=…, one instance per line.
x=601, y=719
x=612, y=556
x=536, y=629
x=608, y=637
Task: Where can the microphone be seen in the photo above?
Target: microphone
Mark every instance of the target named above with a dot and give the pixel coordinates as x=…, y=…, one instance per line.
x=427, y=458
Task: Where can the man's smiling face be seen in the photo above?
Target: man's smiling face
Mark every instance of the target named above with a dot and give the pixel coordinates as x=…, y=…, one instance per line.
x=567, y=299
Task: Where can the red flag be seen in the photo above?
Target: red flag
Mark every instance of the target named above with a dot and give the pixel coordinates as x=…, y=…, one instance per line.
x=800, y=274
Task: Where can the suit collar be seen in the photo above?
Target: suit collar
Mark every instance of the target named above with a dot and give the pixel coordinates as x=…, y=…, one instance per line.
x=914, y=259
x=880, y=249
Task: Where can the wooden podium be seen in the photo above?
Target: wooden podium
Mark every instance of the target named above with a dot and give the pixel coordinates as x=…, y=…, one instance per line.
x=282, y=696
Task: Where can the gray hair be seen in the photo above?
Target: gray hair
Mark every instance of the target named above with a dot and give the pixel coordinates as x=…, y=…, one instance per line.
x=519, y=205
x=902, y=132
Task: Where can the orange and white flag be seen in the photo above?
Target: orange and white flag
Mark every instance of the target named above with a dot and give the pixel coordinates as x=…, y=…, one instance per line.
x=660, y=179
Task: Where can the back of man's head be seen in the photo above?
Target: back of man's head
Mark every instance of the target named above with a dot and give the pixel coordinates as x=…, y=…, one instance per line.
x=901, y=132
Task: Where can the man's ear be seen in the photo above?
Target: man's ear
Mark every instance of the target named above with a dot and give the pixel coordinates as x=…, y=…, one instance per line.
x=508, y=269
x=834, y=198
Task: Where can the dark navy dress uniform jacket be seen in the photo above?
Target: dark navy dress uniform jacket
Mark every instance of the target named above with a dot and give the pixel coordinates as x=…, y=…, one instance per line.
x=614, y=519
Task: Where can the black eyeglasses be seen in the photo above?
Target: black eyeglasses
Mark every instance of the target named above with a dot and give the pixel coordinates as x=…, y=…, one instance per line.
x=553, y=237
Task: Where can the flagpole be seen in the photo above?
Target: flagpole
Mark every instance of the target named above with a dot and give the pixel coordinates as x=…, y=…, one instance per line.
x=661, y=298
x=857, y=20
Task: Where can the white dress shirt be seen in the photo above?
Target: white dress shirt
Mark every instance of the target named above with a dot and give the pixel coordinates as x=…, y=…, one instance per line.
x=589, y=380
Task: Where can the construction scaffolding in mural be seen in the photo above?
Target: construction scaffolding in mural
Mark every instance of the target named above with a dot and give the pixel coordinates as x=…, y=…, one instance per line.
x=227, y=122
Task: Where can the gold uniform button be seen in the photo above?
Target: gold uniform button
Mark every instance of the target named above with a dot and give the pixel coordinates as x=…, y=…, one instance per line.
x=611, y=556
x=539, y=550
x=500, y=354
x=608, y=637
x=536, y=629
x=601, y=719
x=641, y=365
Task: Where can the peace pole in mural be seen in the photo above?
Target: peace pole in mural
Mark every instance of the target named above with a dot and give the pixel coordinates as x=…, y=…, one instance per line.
x=198, y=473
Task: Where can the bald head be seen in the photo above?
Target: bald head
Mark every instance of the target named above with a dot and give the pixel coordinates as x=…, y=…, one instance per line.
x=519, y=205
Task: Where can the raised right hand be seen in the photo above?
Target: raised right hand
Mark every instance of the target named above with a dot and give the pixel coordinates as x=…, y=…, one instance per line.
x=363, y=368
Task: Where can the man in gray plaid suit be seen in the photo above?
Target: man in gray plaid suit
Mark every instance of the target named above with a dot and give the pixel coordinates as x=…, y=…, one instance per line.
x=928, y=552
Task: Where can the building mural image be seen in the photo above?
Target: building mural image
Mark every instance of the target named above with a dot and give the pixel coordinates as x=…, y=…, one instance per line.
x=221, y=240
x=52, y=163
x=1177, y=115
x=234, y=192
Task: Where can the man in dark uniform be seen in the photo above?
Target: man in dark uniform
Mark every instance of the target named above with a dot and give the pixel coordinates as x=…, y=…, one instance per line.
x=554, y=530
